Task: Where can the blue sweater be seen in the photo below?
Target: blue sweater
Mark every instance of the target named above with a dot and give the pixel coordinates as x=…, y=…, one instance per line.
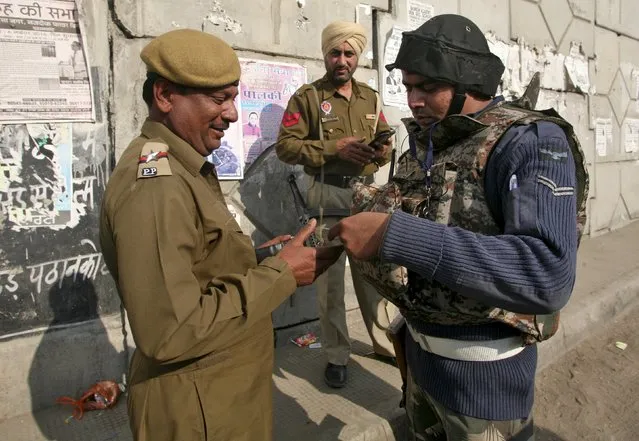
x=530, y=268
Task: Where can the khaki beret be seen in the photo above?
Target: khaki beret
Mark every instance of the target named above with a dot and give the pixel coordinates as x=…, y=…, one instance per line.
x=192, y=58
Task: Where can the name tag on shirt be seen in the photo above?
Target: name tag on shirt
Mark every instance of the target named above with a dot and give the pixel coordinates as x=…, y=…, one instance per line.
x=370, y=116
x=330, y=118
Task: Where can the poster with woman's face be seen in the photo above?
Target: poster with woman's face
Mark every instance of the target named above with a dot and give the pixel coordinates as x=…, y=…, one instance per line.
x=266, y=88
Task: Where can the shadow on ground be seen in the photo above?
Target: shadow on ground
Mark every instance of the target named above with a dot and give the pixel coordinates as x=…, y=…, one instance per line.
x=305, y=408
x=542, y=434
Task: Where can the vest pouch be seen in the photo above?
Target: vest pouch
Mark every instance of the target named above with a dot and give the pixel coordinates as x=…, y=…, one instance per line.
x=390, y=280
x=457, y=199
x=534, y=328
x=546, y=325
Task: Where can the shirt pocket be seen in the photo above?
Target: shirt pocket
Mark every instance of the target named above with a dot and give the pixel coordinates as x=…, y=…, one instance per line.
x=223, y=237
x=368, y=128
x=216, y=221
x=219, y=216
x=333, y=130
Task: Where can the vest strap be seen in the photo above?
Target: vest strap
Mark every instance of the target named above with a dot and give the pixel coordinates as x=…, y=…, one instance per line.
x=464, y=350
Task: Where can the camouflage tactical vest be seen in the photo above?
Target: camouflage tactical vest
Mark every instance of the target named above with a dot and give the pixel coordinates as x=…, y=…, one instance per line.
x=456, y=198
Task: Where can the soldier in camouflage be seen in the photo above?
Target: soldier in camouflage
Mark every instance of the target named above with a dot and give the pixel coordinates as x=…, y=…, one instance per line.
x=475, y=237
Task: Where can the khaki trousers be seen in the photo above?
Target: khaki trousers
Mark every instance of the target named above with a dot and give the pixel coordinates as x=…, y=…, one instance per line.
x=376, y=311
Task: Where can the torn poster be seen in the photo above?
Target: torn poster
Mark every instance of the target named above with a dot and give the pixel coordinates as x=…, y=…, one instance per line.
x=631, y=135
x=418, y=13
x=44, y=74
x=393, y=90
x=603, y=135
x=577, y=68
x=36, y=183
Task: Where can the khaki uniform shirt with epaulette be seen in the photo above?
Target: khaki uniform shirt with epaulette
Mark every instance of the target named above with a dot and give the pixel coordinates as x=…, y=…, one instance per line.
x=299, y=138
x=198, y=303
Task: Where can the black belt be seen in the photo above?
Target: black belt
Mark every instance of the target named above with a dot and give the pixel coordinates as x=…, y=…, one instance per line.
x=336, y=180
x=329, y=212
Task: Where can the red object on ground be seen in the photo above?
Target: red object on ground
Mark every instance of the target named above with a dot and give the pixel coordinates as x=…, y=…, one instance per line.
x=101, y=395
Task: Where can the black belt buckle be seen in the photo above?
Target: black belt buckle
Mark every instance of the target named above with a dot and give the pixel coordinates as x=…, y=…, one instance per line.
x=336, y=180
x=346, y=181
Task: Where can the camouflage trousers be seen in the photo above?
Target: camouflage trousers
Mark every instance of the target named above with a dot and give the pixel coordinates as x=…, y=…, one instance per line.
x=428, y=420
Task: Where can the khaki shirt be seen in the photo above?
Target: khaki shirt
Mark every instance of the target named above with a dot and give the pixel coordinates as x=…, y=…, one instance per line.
x=195, y=296
x=299, y=138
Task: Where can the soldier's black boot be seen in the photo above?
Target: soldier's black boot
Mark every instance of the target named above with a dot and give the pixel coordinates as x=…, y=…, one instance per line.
x=335, y=376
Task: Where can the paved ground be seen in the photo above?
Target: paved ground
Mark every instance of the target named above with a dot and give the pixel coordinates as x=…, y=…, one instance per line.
x=305, y=408
x=588, y=395
x=591, y=393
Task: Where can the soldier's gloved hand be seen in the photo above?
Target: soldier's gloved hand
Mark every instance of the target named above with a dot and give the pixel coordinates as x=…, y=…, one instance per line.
x=354, y=150
x=308, y=263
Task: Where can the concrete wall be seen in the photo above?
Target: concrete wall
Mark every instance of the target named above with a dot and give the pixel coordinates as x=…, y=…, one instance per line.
x=587, y=51
x=557, y=37
x=60, y=325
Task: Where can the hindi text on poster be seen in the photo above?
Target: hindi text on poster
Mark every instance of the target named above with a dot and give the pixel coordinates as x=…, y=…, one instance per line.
x=44, y=74
x=36, y=179
x=419, y=13
x=266, y=89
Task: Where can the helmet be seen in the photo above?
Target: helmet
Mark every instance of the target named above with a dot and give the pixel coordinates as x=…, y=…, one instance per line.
x=451, y=49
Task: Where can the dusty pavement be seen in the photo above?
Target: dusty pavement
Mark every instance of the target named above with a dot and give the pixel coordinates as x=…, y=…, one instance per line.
x=589, y=394
x=592, y=392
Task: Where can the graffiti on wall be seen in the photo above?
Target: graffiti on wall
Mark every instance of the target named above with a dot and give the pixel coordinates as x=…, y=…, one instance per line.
x=52, y=177
x=35, y=175
x=44, y=181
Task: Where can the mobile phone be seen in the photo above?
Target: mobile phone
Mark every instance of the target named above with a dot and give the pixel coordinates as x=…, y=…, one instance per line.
x=263, y=253
x=381, y=138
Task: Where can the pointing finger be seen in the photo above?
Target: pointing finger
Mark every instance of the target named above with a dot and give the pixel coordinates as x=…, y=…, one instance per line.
x=304, y=233
x=334, y=231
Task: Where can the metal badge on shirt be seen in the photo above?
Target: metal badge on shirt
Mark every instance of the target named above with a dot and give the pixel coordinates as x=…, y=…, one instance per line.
x=326, y=107
x=154, y=160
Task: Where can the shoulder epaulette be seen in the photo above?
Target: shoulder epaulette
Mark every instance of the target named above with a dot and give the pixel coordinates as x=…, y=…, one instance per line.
x=302, y=90
x=366, y=86
x=154, y=160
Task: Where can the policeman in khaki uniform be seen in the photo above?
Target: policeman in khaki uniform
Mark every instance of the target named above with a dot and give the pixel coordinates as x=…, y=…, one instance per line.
x=198, y=302
x=327, y=127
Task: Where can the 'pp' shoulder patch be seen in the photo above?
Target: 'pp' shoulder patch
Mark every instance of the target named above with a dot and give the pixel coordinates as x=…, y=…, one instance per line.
x=154, y=160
